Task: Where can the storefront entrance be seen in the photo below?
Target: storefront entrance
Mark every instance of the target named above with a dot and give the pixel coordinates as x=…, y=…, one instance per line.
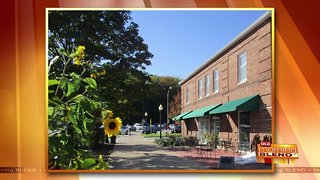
x=208, y=126
x=244, y=131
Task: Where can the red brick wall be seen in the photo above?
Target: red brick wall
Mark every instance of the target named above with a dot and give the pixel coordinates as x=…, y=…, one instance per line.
x=257, y=45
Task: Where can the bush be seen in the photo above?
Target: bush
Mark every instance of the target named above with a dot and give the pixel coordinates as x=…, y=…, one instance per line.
x=191, y=141
x=172, y=140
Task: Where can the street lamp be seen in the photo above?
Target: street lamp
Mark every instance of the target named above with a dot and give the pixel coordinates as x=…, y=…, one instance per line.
x=168, y=105
x=160, y=109
x=146, y=115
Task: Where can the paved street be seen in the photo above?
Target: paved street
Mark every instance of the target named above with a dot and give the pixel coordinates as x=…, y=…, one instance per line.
x=137, y=152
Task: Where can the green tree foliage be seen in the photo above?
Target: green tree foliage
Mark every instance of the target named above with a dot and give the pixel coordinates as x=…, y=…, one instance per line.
x=108, y=36
x=113, y=44
x=157, y=94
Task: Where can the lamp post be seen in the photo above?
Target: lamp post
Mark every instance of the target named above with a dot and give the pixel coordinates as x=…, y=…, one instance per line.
x=168, y=105
x=160, y=109
x=146, y=115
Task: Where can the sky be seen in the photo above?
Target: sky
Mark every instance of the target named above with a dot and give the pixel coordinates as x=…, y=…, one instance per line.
x=181, y=41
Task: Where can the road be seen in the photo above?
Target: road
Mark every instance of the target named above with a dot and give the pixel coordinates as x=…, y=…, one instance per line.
x=138, y=153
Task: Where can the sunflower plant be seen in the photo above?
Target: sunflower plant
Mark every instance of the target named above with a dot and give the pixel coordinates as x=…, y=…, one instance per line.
x=112, y=125
x=73, y=113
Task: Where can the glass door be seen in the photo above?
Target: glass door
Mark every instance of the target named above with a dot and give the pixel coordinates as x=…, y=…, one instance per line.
x=215, y=126
x=244, y=131
x=204, y=130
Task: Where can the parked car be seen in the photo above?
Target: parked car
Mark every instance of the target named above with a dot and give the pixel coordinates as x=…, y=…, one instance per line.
x=171, y=126
x=163, y=126
x=138, y=126
x=146, y=129
x=154, y=129
x=124, y=130
x=177, y=129
x=132, y=128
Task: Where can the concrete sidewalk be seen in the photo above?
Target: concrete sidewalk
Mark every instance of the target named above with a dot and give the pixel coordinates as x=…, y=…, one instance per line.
x=138, y=153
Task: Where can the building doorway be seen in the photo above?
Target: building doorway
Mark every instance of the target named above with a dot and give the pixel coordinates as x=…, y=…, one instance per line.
x=204, y=129
x=244, y=131
x=215, y=125
x=207, y=127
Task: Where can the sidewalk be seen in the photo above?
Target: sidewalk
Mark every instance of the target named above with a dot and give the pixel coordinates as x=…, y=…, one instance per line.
x=243, y=161
x=136, y=152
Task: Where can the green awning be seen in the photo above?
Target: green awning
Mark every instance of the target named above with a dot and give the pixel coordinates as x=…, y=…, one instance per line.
x=177, y=118
x=200, y=112
x=250, y=103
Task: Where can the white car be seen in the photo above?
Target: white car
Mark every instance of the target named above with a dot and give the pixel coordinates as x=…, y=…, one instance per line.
x=171, y=126
x=138, y=126
x=124, y=130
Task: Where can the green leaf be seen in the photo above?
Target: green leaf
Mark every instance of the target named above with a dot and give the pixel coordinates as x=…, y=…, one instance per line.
x=91, y=82
x=85, y=103
x=54, y=101
x=87, y=122
x=100, y=158
x=93, y=92
x=64, y=53
x=78, y=130
x=50, y=111
x=72, y=55
x=52, y=82
x=75, y=75
x=87, y=163
x=71, y=117
x=64, y=85
x=94, y=104
x=71, y=88
x=75, y=165
x=51, y=91
x=79, y=98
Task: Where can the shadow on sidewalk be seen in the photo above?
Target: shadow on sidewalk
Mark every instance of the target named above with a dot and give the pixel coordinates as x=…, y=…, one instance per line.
x=153, y=161
x=129, y=148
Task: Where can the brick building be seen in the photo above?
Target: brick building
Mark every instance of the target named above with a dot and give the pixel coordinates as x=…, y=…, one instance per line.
x=231, y=94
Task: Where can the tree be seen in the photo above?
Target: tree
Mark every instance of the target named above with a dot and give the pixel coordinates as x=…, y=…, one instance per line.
x=157, y=94
x=108, y=36
x=175, y=105
x=113, y=45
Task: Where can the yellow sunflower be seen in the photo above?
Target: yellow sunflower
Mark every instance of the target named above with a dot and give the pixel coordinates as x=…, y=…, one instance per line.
x=112, y=126
x=77, y=61
x=79, y=55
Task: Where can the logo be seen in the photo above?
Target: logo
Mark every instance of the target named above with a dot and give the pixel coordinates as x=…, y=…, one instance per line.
x=277, y=153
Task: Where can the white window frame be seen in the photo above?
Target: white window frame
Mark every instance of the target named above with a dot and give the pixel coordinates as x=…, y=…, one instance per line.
x=199, y=88
x=239, y=67
x=207, y=85
x=215, y=81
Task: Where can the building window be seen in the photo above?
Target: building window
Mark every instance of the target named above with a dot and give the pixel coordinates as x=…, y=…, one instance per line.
x=187, y=95
x=199, y=89
x=207, y=87
x=215, y=81
x=242, y=68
